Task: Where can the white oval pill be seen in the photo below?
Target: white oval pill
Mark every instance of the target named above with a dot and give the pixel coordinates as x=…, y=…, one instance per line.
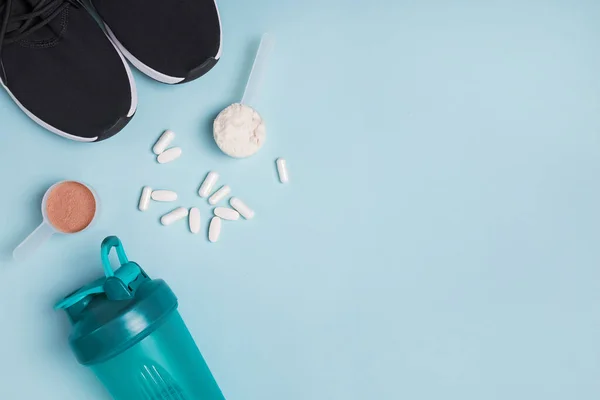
x=214, y=230
x=282, y=170
x=227, y=213
x=145, y=198
x=173, y=216
x=219, y=195
x=194, y=220
x=169, y=155
x=163, y=142
x=242, y=208
x=164, y=195
x=208, y=184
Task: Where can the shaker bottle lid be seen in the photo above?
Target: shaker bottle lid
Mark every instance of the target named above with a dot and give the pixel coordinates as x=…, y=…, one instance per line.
x=115, y=312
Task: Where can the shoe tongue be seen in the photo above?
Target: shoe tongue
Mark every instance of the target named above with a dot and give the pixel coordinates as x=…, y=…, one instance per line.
x=49, y=31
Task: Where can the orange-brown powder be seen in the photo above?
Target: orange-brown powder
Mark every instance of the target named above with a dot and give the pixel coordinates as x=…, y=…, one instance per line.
x=70, y=207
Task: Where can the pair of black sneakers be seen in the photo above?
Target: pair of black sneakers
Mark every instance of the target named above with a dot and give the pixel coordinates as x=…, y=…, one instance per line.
x=68, y=72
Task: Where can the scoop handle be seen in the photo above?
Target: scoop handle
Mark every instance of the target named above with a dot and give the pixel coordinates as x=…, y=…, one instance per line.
x=258, y=69
x=34, y=241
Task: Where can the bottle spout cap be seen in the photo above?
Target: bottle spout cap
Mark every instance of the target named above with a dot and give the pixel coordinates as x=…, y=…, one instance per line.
x=118, y=284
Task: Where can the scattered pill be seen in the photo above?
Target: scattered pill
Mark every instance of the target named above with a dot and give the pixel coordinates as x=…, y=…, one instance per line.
x=208, y=184
x=242, y=208
x=169, y=155
x=164, y=195
x=227, y=213
x=214, y=230
x=219, y=195
x=163, y=142
x=145, y=198
x=194, y=220
x=282, y=170
x=173, y=216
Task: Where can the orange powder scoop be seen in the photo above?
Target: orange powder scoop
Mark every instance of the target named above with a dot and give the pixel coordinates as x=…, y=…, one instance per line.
x=68, y=207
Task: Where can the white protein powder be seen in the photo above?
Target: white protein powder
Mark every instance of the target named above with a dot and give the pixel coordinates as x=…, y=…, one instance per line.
x=239, y=131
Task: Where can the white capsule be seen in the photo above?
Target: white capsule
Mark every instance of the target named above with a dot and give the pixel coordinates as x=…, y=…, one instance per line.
x=163, y=142
x=208, y=184
x=173, y=216
x=145, y=198
x=282, y=170
x=164, y=195
x=214, y=230
x=227, y=213
x=219, y=195
x=169, y=155
x=194, y=220
x=242, y=208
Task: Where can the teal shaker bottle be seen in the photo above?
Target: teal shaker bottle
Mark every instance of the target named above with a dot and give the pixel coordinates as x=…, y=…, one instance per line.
x=127, y=329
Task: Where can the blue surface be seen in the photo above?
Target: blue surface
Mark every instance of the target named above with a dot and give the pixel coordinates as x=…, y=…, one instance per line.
x=439, y=238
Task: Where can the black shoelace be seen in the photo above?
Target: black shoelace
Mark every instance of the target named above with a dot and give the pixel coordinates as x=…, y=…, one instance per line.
x=41, y=14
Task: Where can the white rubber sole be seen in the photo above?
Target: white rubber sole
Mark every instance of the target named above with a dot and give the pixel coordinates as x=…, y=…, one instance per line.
x=55, y=130
x=152, y=73
x=44, y=124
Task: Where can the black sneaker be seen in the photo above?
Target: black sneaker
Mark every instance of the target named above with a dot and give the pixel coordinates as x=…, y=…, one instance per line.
x=172, y=41
x=63, y=71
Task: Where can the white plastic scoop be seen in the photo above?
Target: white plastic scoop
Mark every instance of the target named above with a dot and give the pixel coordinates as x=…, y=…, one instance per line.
x=52, y=222
x=239, y=130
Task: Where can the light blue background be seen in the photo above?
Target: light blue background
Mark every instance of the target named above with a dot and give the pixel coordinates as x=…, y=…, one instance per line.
x=440, y=238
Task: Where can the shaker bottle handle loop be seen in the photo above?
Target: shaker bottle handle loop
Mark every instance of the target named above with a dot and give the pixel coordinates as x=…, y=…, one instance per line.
x=107, y=245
